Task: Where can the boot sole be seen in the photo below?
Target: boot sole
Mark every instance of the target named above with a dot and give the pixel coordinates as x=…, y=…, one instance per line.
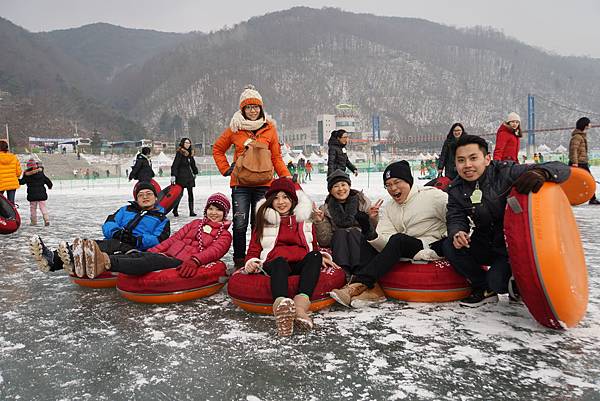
x=78, y=257
x=339, y=300
x=480, y=303
x=303, y=324
x=285, y=313
x=35, y=246
x=363, y=303
x=64, y=255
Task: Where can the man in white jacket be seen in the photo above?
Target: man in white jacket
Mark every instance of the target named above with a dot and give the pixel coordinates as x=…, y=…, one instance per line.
x=411, y=225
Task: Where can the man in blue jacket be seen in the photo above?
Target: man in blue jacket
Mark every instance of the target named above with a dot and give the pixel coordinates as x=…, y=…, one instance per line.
x=475, y=215
x=138, y=226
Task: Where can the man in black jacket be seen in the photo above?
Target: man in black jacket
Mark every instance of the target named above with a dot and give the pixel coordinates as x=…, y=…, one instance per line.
x=475, y=217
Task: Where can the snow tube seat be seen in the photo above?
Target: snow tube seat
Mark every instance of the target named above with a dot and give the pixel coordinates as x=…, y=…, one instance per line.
x=169, y=196
x=104, y=280
x=166, y=286
x=580, y=187
x=252, y=292
x=546, y=256
x=434, y=281
x=10, y=220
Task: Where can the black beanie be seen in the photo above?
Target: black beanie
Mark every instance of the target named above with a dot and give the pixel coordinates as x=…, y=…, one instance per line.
x=335, y=177
x=400, y=170
x=144, y=185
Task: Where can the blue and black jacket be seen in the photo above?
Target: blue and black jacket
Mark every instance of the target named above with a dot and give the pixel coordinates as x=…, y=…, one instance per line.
x=150, y=227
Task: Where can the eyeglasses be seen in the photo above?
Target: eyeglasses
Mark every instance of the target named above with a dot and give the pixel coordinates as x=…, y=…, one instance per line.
x=393, y=184
x=251, y=107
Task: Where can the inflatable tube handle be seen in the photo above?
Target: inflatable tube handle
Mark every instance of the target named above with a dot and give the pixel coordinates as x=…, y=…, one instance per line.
x=514, y=204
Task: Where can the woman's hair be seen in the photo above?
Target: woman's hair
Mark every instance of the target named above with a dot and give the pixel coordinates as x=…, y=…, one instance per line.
x=582, y=123
x=451, y=132
x=261, y=115
x=145, y=150
x=338, y=133
x=182, y=141
x=3, y=146
x=260, y=213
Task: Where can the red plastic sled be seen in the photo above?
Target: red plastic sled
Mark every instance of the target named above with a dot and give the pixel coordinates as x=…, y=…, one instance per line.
x=10, y=221
x=440, y=183
x=546, y=256
x=169, y=196
x=155, y=184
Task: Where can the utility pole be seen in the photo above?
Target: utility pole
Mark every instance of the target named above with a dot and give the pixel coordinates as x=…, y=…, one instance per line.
x=530, y=126
x=7, y=136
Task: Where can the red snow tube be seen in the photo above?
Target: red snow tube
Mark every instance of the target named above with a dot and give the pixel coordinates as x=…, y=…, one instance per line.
x=9, y=217
x=427, y=282
x=439, y=183
x=155, y=184
x=166, y=286
x=546, y=256
x=580, y=187
x=105, y=280
x=252, y=292
x=168, y=196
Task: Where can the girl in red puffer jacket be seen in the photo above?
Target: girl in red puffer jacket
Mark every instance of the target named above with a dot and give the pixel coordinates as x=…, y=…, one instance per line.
x=284, y=243
x=198, y=243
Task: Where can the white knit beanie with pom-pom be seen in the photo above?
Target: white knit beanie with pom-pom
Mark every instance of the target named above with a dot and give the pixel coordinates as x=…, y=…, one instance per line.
x=250, y=96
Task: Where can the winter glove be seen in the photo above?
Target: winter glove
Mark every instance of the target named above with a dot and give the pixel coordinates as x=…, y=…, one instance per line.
x=229, y=170
x=530, y=181
x=173, y=179
x=365, y=225
x=188, y=268
x=126, y=237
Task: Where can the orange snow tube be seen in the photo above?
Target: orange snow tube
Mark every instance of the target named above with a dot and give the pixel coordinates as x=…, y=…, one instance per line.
x=105, y=280
x=425, y=282
x=252, y=292
x=166, y=286
x=580, y=187
x=546, y=256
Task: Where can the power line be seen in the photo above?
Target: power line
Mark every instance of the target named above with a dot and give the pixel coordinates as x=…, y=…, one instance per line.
x=566, y=107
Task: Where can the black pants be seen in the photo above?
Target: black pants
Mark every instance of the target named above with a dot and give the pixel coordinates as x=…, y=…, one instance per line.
x=109, y=246
x=399, y=246
x=138, y=263
x=190, y=192
x=308, y=268
x=350, y=249
x=586, y=167
x=468, y=262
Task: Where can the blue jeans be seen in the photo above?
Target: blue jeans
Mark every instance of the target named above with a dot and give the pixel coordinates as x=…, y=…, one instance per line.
x=468, y=261
x=10, y=194
x=244, y=206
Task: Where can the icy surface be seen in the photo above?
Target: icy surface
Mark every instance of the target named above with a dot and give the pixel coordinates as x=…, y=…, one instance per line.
x=61, y=341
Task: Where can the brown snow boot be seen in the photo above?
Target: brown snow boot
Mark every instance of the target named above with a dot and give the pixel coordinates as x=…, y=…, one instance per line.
x=78, y=257
x=369, y=297
x=284, y=311
x=66, y=255
x=344, y=295
x=303, y=320
x=96, y=261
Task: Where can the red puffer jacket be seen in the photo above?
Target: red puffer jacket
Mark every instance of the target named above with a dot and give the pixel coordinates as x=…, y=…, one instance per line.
x=289, y=238
x=507, y=144
x=185, y=243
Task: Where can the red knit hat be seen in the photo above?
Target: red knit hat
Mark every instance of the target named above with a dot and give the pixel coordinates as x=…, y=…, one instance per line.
x=32, y=163
x=219, y=200
x=283, y=184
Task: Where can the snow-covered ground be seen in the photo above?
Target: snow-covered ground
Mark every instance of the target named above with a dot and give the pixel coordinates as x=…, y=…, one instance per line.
x=61, y=341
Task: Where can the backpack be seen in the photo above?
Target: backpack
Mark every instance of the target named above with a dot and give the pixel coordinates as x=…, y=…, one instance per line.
x=254, y=167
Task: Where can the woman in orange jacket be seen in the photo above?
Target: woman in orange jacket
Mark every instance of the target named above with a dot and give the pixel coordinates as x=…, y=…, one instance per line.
x=10, y=171
x=249, y=124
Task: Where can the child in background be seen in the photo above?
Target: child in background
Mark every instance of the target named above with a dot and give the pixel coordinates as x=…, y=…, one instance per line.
x=36, y=182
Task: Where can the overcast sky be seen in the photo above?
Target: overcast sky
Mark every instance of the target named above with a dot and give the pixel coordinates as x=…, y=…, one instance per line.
x=563, y=27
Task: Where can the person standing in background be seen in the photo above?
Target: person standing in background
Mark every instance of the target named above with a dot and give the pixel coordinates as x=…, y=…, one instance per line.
x=10, y=171
x=183, y=172
x=578, y=149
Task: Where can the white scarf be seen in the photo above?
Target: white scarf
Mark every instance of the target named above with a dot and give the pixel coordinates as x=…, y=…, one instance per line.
x=238, y=122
